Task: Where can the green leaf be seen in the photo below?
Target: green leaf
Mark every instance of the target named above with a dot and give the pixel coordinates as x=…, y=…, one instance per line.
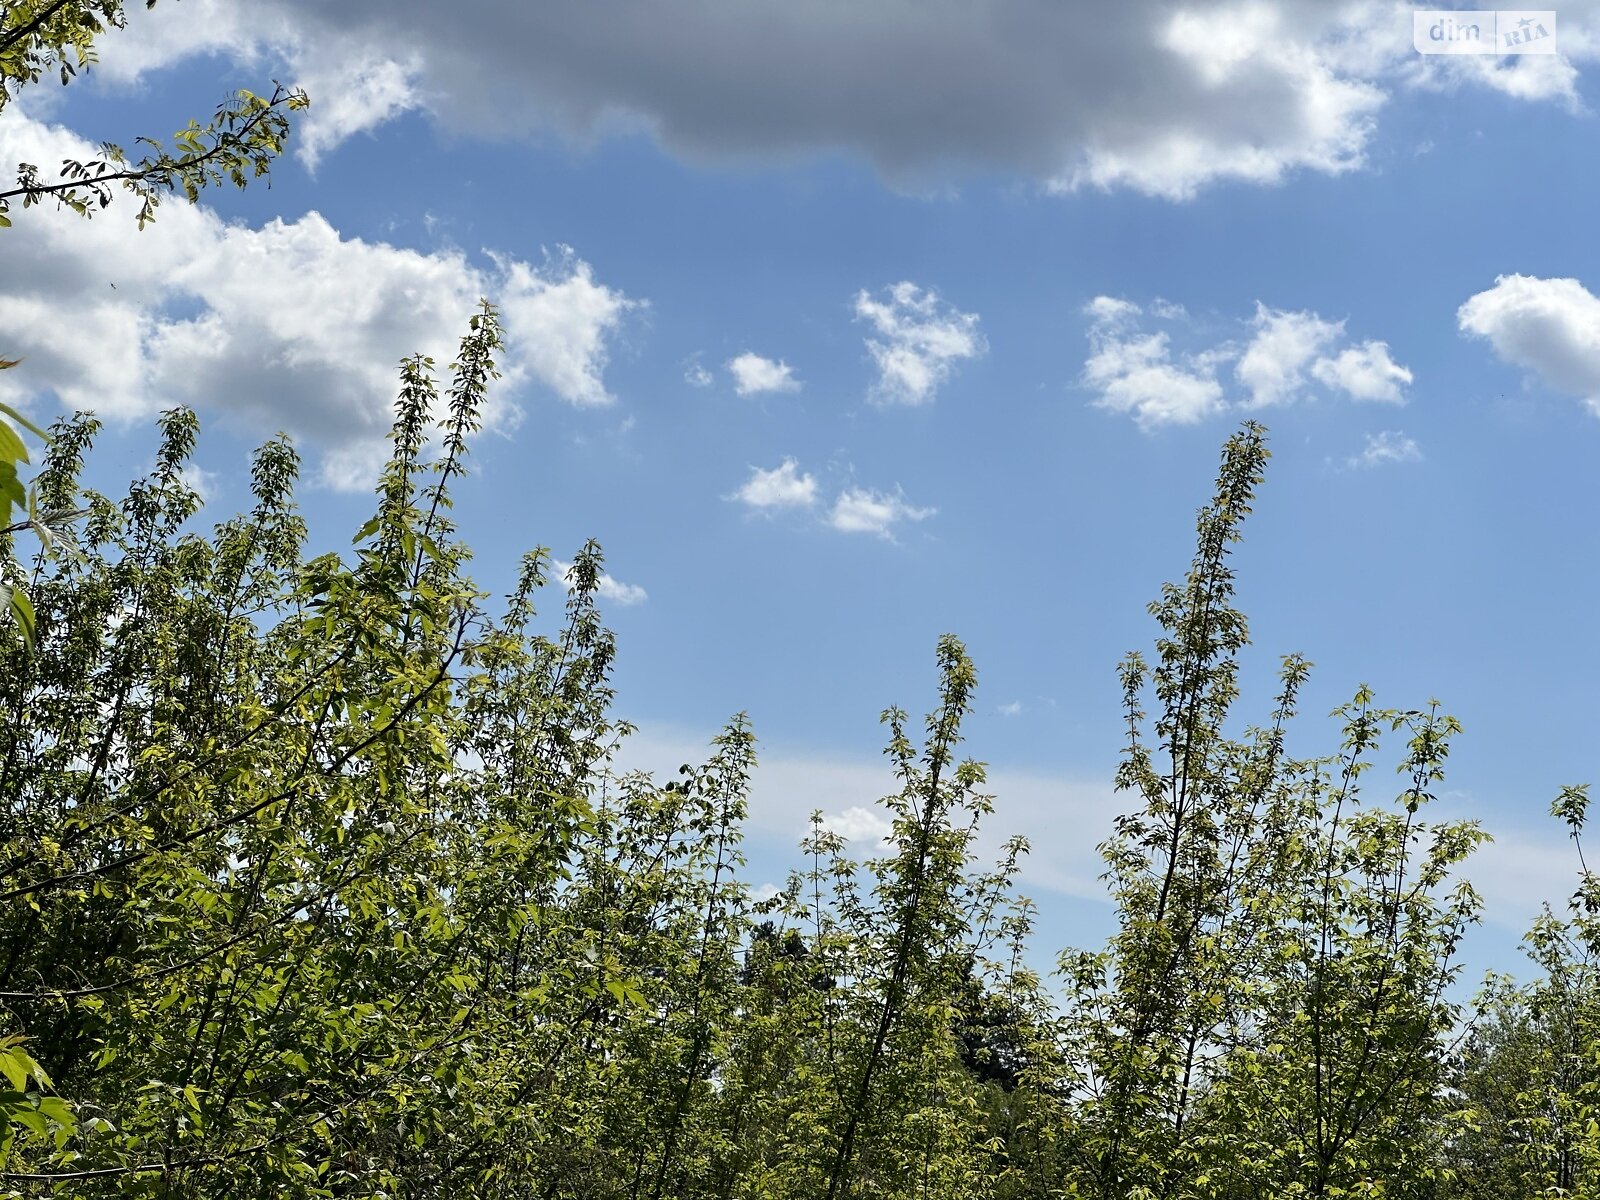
x=11, y=446
x=21, y=611
x=7, y=410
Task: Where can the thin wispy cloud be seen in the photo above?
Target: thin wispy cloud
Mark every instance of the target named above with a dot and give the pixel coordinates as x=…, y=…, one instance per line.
x=1385, y=449
x=696, y=375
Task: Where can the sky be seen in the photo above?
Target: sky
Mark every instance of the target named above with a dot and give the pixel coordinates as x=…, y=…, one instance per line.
x=844, y=325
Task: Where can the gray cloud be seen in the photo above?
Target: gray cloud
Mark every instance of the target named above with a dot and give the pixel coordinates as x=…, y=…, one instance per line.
x=1149, y=94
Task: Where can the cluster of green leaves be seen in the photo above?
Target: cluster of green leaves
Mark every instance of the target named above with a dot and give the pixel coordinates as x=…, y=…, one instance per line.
x=245, y=134
x=16, y=496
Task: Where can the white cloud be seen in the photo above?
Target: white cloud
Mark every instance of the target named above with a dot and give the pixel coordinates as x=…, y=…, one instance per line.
x=624, y=594
x=1065, y=816
x=920, y=339
x=352, y=96
x=562, y=320
x=287, y=326
x=355, y=85
x=1273, y=365
x=1520, y=872
x=1139, y=374
x=695, y=374
x=1011, y=709
x=1364, y=372
x=782, y=487
x=854, y=510
x=201, y=482
x=1528, y=77
x=859, y=824
x=1112, y=312
x=753, y=375
x=1135, y=374
x=1548, y=326
x=860, y=510
x=1390, y=446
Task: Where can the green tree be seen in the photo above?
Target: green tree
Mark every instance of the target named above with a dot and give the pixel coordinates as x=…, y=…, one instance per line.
x=269, y=856
x=317, y=881
x=245, y=134
x=1528, y=1076
x=1269, y=1019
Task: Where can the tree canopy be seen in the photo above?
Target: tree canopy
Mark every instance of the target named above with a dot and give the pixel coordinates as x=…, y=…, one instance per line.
x=320, y=878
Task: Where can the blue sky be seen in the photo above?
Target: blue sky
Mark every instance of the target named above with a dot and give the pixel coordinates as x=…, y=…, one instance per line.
x=845, y=326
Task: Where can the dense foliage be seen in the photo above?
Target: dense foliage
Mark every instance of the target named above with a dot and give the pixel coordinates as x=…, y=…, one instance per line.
x=318, y=881
x=317, y=878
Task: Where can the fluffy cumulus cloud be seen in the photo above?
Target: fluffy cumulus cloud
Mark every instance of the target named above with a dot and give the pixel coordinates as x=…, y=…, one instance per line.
x=785, y=486
x=918, y=340
x=854, y=509
x=859, y=824
x=1364, y=372
x=1381, y=449
x=1287, y=346
x=1550, y=327
x=862, y=510
x=289, y=325
x=753, y=375
x=1137, y=372
x=608, y=589
x=1272, y=367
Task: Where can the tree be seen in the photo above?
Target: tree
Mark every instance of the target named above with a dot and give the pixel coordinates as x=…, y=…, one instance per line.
x=276, y=831
x=316, y=880
x=245, y=134
x=1528, y=1077
x=1271, y=1017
